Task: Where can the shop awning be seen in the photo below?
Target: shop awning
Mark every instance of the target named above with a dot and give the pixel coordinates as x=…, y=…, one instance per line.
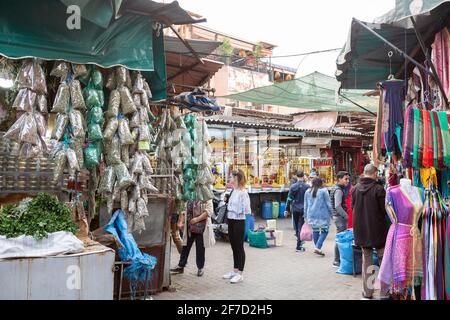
x=315, y=91
x=109, y=34
x=184, y=70
x=364, y=60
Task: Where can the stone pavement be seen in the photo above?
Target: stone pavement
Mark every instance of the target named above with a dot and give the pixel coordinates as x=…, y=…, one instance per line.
x=273, y=273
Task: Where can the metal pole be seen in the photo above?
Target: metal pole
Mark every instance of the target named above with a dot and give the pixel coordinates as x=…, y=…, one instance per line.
x=428, y=58
x=358, y=105
x=392, y=46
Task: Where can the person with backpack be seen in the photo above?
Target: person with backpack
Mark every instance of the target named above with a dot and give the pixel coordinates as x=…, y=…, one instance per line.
x=340, y=213
x=318, y=212
x=296, y=196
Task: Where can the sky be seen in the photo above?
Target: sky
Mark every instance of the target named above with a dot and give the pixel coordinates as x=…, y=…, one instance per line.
x=295, y=26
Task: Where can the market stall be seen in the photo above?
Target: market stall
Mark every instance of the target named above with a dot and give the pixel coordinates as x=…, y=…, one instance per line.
x=80, y=123
x=411, y=139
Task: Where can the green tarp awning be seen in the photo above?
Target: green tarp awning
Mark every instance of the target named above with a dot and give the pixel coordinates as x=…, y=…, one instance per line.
x=39, y=29
x=315, y=91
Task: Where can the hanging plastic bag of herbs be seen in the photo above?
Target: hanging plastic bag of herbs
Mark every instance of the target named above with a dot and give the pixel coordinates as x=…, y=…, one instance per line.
x=60, y=164
x=40, y=123
x=60, y=126
x=72, y=161
x=125, y=155
x=77, y=95
x=113, y=151
x=79, y=70
x=124, y=131
x=28, y=132
x=60, y=70
x=77, y=122
x=77, y=145
x=107, y=181
x=91, y=156
x=146, y=164
x=123, y=176
x=39, y=84
x=25, y=100
x=113, y=104
x=145, y=184
x=136, y=164
x=126, y=101
x=95, y=132
x=111, y=128
x=42, y=103
x=95, y=115
x=61, y=103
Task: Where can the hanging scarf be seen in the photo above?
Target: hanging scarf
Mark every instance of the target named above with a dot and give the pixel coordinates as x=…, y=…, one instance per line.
x=435, y=142
x=417, y=145
x=408, y=138
x=438, y=138
x=427, y=160
x=443, y=124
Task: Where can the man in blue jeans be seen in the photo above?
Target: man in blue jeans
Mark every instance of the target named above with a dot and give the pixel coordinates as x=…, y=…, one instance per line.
x=296, y=196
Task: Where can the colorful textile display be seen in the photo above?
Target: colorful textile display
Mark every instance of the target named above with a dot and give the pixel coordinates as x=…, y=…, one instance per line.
x=428, y=137
x=436, y=255
x=440, y=56
x=401, y=268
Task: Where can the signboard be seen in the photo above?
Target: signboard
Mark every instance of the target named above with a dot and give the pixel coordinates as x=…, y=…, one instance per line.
x=351, y=143
x=323, y=162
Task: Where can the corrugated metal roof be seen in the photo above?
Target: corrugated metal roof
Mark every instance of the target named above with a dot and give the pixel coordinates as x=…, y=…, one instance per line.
x=203, y=47
x=285, y=127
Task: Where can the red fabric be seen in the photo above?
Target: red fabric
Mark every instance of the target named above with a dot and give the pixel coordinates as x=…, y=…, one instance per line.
x=348, y=202
x=440, y=155
x=428, y=151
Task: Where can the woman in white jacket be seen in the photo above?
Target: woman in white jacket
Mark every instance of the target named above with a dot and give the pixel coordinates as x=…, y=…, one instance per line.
x=198, y=229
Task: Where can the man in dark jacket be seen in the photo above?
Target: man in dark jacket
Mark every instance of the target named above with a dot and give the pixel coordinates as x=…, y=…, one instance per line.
x=369, y=224
x=297, y=197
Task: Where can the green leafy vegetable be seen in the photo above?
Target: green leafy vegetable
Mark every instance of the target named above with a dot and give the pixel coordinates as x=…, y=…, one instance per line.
x=37, y=217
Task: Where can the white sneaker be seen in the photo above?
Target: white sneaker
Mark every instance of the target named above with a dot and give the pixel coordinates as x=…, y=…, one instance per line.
x=229, y=275
x=237, y=278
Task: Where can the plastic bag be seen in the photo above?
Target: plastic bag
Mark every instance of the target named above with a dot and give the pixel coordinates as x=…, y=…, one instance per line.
x=344, y=242
x=111, y=128
x=143, y=115
x=126, y=101
x=77, y=146
x=39, y=85
x=132, y=206
x=135, y=120
x=77, y=123
x=116, y=192
x=60, y=164
x=113, y=151
x=28, y=151
x=144, y=133
x=135, y=192
x=107, y=180
x=25, y=75
x=79, y=70
x=96, y=80
x=60, y=70
x=95, y=115
x=77, y=95
x=141, y=208
x=28, y=132
x=123, y=176
x=137, y=99
x=91, y=156
x=306, y=232
x=124, y=200
x=95, y=132
x=145, y=184
x=72, y=161
x=113, y=104
x=24, y=100
x=124, y=132
x=42, y=103
x=144, y=100
x=125, y=155
x=146, y=164
x=136, y=164
x=138, y=86
x=121, y=76
x=40, y=123
x=60, y=126
x=148, y=92
x=61, y=103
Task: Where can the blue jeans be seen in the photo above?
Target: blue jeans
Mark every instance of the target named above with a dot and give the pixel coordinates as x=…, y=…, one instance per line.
x=319, y=237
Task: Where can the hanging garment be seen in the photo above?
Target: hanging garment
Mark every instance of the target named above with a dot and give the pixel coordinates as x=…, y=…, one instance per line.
x=434, y=139
x=377, y=143
x=440, y=56
x=435, y=247
x=443, y=124
x=427, y=160
x=418, y=138
x=408, y=138
x=437, y=136
x=444, y=182
x=394, y=97
x=401, y=267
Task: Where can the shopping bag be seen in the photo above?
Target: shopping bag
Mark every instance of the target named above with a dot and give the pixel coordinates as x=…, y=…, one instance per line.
x=306, y=233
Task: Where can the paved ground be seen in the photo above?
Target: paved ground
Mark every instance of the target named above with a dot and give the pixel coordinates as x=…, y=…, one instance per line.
x=273, y=273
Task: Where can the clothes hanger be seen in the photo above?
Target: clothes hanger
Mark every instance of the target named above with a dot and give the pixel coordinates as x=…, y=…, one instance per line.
x=391, y=76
